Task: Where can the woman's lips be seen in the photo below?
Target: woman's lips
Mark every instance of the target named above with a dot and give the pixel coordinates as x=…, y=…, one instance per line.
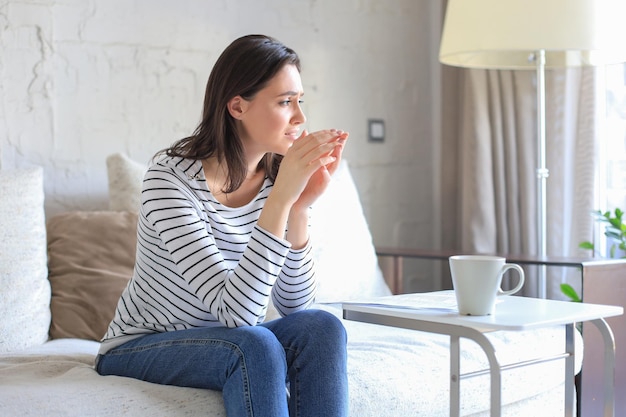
x=293, y=135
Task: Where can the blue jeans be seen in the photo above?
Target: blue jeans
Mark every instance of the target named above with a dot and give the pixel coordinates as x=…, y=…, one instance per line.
x=250, y=365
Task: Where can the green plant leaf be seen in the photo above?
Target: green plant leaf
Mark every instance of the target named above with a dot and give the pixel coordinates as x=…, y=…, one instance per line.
x=570, y=292
x=612, y=234
x=586, y=245
x=614, y=231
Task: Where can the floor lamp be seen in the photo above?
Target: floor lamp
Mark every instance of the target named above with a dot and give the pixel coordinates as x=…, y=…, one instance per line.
x=534, y=35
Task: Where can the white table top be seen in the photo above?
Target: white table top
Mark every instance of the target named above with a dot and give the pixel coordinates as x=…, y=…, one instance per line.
x=512, y=312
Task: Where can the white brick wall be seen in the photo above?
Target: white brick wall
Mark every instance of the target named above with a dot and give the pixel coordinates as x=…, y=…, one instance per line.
x=81, y=79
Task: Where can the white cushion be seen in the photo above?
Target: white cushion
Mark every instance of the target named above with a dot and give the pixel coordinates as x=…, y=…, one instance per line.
x=345, y=259
x=24, y=287
x=125, y=178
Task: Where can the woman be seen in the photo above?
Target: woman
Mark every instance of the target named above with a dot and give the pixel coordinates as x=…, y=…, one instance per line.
x=223, y=229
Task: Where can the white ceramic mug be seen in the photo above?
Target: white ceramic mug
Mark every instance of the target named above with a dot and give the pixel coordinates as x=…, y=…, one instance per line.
x=477, y=281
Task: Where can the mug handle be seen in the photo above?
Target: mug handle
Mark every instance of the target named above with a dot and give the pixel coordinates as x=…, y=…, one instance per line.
x=520, y=282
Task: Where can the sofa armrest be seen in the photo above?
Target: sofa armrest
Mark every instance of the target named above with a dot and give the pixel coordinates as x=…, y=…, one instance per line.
x=393, y=270
x=391, y=260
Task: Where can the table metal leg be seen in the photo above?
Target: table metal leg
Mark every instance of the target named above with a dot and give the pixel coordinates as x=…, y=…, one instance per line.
x=455, y=377
x=494, y=366
x=609, y=366
x=570, y=371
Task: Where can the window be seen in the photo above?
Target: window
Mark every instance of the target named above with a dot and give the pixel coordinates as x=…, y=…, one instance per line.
x=612, y=149
x=613, y=154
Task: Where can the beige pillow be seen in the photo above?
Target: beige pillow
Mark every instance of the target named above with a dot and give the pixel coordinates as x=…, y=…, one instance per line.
x=91, y=256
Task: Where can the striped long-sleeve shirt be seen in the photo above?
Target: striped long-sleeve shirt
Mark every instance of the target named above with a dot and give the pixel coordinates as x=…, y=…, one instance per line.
x=200, y=263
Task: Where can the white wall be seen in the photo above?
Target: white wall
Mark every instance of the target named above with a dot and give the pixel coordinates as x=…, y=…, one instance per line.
x=81, y=79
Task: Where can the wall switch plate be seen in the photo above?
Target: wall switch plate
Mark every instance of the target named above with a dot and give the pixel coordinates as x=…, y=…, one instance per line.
x=376, y=130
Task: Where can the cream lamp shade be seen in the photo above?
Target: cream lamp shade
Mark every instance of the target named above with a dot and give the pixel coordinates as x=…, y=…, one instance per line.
x=501, y=34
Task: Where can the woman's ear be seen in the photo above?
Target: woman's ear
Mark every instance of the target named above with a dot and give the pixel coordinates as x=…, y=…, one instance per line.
x=236, y=107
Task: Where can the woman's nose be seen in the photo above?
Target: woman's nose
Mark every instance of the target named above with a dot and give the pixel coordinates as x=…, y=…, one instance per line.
x=299, y=117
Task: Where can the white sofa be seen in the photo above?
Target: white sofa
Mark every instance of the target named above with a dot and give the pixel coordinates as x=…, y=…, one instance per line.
x=60, y=280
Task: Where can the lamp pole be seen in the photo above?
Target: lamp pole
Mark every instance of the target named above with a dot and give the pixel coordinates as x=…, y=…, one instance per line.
x=542, y=170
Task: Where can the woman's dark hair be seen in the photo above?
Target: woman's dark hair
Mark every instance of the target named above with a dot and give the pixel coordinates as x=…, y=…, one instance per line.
x=243, y=69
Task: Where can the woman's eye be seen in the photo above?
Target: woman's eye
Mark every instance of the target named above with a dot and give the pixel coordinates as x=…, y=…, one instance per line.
x=288, y=102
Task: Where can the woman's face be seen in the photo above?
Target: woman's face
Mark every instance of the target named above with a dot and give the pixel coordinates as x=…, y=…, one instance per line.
x=271, y=120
